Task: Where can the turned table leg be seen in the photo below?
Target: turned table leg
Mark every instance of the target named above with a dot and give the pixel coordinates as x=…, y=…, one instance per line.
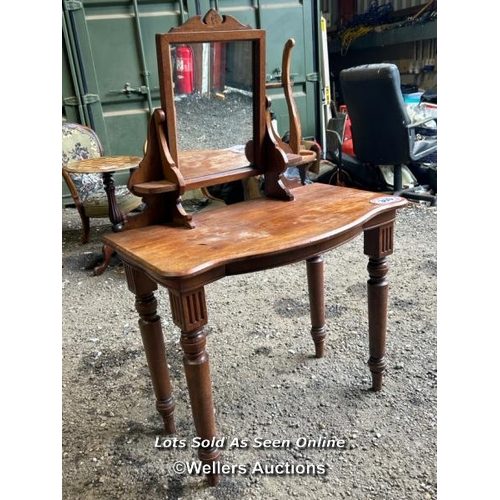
x=378, y=243
x=115, y=214
x=315, y=281
x=154, y=346
x=189, y=313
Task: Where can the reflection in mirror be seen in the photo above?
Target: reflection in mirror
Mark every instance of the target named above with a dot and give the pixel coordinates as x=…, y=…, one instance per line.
x=213, y=94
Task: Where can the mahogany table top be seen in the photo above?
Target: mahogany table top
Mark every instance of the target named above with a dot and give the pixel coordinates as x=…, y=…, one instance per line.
x=253, y=234
x=103, y=164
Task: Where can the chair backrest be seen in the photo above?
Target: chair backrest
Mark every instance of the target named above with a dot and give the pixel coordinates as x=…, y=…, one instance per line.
x=378, y=114
x=80, y=143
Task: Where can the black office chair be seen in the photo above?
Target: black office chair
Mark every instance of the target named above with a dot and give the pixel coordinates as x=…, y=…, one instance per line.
x=382, y=131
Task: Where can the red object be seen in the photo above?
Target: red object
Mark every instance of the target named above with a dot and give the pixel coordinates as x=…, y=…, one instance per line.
x=184, y=69
x=347, y=10
x=347, y=146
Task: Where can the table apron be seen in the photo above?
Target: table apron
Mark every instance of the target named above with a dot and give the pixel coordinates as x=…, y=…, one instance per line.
x=261, y=263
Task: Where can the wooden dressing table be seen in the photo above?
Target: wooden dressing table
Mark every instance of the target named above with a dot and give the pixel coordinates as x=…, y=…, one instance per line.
x=165, y=246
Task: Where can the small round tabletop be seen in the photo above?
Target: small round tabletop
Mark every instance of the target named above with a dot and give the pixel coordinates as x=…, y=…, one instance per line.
x=103, y=164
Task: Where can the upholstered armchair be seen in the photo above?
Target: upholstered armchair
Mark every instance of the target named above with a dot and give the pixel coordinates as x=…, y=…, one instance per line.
x=87, y=190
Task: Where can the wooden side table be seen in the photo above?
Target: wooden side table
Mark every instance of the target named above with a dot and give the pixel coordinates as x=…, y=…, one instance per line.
x=107, y=166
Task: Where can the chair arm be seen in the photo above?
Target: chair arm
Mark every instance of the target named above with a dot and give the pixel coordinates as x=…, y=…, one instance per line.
x=421, y=122
x=333, y=142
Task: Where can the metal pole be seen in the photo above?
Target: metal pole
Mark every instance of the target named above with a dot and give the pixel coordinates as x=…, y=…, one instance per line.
x=322, y=84
x=73, y=71
x=83, y=87
x=258, y=17
x=145, y=72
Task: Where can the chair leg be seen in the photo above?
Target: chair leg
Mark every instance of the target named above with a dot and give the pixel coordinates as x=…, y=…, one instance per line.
x=85, y=225
x=418, y=196
x=412, y=193
x=108, y=253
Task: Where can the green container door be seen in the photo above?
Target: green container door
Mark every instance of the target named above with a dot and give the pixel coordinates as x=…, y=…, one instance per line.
x=109, y=66
x=110, y=79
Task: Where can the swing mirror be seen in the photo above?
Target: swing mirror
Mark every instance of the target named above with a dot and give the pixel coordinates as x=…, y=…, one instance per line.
x=210, y=69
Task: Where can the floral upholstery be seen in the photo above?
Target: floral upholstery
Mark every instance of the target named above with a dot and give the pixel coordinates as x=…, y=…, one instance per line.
x=81, y=143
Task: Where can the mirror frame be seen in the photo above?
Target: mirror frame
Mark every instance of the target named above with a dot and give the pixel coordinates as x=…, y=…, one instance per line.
x=214, y=27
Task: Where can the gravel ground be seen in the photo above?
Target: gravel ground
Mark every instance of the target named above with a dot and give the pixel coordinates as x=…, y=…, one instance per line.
x=204, y=123
x=266, y=383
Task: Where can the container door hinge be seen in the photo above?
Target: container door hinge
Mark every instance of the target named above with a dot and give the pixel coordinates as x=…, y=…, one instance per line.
x=313, y=77
x=73, y=5
x=85, y=99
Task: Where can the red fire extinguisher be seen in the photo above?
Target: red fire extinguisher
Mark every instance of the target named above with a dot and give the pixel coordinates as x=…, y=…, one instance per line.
x=184, y=69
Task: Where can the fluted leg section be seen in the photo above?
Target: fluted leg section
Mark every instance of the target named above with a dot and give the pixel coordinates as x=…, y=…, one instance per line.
x=315, y=280
x=189, y=313
x=378, y=244
x=154, y=346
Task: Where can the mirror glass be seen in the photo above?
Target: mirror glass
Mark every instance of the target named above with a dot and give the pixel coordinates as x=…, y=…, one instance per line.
x=213, y=94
